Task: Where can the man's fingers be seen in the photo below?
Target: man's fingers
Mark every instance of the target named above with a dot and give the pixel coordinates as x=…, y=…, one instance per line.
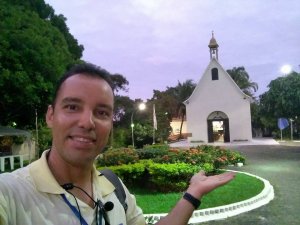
x=225, y=177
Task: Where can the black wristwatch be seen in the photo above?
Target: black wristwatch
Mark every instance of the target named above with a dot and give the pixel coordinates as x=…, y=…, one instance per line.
x=191, y=199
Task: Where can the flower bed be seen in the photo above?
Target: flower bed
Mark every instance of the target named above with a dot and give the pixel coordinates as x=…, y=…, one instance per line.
x=163, y=168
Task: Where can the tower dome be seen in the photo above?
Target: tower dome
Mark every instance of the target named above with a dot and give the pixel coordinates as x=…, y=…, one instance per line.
x=213, y=47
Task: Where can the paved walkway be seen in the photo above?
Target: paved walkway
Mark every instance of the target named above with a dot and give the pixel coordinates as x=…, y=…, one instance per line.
x=279, y=164
x=254, y=141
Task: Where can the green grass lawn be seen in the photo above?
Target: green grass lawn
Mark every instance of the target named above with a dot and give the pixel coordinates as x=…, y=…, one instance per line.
x=241, y=188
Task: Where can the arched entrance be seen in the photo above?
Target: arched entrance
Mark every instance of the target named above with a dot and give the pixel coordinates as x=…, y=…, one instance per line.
x=218, y=127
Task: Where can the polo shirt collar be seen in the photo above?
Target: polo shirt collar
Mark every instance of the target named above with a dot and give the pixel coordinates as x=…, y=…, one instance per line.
x=42, y=176
x=44, y=180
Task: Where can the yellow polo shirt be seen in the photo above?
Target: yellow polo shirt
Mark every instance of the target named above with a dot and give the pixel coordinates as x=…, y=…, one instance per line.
x=32, y=196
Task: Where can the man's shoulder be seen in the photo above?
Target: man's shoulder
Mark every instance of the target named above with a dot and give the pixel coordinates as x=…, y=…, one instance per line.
x=15, y=179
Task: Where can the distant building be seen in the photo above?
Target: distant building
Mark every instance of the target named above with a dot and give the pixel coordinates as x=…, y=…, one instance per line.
x=175, y=125
x=217, y=110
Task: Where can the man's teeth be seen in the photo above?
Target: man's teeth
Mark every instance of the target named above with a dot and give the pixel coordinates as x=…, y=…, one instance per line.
x=82, y=139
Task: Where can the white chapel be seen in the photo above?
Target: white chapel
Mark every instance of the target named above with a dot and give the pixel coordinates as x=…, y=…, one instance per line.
x=217, y=110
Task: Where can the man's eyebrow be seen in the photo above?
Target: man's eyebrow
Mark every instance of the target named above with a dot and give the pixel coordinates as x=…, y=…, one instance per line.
x=71, y=100
x=105, y=106
x=78, y=100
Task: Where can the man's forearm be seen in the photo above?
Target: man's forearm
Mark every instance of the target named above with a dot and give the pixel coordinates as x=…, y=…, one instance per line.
x=179, y=215
x=200, y=184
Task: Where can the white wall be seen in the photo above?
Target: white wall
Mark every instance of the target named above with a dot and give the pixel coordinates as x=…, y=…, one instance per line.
x=218, y=95
x=27, y=149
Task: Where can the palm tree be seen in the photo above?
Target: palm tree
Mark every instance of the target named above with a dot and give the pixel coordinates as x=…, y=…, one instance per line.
x=182, y=92
x=182, y=115
x=241, y=78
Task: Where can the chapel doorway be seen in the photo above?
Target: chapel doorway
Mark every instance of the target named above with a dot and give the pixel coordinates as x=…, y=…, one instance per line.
x=218, y=127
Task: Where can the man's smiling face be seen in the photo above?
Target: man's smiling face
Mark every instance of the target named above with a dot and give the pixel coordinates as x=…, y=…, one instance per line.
x=81, y=118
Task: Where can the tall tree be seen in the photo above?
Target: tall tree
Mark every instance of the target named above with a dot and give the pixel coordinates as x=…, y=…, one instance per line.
x=182, y=92
x=120, y=82
x=33, y=54
x=121, y=102
x=242, y=79
x=59, y=21
x=165, y=102
x=165, y=107
x=46, y=12
x=281, y=100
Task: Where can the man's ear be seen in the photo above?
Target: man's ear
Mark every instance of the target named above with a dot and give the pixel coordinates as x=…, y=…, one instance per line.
x=49, y=116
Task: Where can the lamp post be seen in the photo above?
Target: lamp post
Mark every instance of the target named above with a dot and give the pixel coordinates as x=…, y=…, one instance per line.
x=291, y=120
x=286, y=69
x=141, y=107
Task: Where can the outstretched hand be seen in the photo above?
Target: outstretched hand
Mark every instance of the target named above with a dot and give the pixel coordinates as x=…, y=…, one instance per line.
x=200, y=184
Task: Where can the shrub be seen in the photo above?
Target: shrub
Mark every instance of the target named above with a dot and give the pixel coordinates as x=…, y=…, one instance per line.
x=213, y=156
x=161, y=147
x=236, y=157
x=171, y=177
x=151, y=153
x=191, y=156
x=222, y=157
x=6, y=143
x=166, y=169
x=156, y=176
x=129, y=173
x=18, y=140
x=45, y=139
x=120, y=138
x=118, y=156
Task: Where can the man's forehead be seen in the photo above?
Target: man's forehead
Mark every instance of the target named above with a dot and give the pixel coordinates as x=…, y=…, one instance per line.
x=75, y=83
x=80, y=79
x=87, y=76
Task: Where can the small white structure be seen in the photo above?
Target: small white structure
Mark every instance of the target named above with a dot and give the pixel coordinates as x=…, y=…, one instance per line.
x=176, y=124
x=218, y=110
x=21, y=152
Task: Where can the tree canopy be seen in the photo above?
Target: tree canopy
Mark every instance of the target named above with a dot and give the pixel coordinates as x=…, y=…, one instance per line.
x=281, y=100
x=171, y=100
x=33, y=54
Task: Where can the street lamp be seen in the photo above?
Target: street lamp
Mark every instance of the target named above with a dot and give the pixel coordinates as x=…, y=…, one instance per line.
x=141, y=107
x=286, y=69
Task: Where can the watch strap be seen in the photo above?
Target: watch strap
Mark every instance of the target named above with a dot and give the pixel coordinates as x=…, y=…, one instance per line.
x=191, y=199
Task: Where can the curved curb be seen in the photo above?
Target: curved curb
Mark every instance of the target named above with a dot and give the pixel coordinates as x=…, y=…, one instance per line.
x=225, y=211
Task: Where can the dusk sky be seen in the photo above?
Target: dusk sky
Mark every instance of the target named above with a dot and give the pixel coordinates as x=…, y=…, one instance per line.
x=156, y=43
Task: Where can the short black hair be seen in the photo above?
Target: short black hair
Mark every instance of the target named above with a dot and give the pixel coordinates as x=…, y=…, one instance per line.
x=86, y=69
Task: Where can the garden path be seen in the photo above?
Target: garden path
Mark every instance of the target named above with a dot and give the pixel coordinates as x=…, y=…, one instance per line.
x=280, y=165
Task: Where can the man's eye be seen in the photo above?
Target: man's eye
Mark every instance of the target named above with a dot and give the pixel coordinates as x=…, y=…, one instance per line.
x=71, y=107
x=102, y=114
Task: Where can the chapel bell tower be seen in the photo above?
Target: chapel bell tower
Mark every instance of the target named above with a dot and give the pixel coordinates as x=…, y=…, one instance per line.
x=213, y=47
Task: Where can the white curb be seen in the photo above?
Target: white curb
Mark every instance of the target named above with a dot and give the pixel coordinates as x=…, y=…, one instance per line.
x=225, y=211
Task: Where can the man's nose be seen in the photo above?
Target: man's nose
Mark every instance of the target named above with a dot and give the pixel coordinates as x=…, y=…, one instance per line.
x=87, y=120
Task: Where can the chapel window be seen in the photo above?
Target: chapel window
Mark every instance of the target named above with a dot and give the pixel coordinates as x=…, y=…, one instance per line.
x=214, y=74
